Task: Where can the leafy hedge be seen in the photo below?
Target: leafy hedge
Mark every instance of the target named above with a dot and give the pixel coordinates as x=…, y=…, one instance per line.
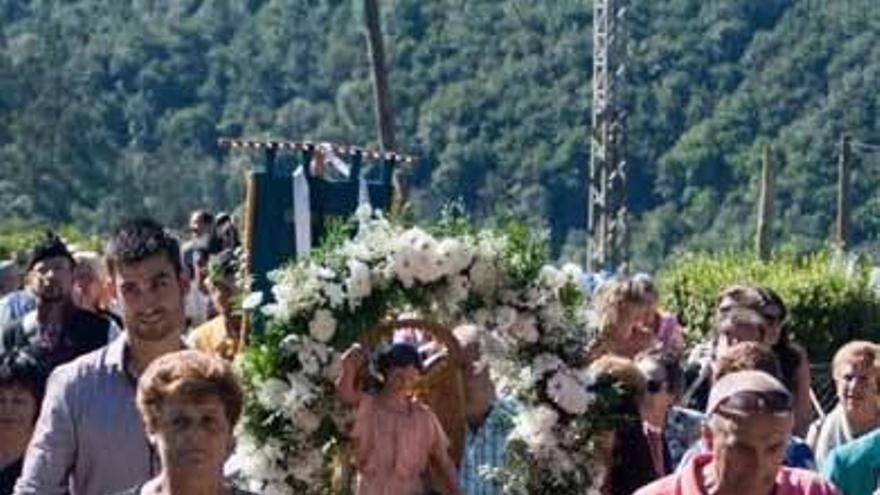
x=17, y=238
x=830, y=301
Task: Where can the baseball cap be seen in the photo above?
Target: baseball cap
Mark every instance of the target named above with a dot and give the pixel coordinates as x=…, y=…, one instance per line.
x=747, y=392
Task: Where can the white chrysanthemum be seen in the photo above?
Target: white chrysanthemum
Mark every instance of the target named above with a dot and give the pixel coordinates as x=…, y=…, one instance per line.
x=403, y=265
x=358, y=282
x=295, y=292
x=568, y=392
x=505, y=317
x=323, y=326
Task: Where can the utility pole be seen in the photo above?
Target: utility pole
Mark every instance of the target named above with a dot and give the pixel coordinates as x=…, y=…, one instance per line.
x=843, y=174
x=381, y=92
x=765, y=204
x=607, y=190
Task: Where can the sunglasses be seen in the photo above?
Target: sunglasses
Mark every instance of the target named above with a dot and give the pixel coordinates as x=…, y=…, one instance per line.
x=757, y=402
x=655, y=386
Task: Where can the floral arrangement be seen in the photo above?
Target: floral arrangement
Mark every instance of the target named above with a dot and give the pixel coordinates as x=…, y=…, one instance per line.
x=453, y=274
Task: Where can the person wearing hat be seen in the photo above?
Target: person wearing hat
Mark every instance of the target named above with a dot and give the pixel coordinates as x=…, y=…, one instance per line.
x=732, y=326
x=395, y=436
x=750, y=415
x=57, y=331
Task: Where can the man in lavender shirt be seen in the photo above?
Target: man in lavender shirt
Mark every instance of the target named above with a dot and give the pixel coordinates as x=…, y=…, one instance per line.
x=89, y=438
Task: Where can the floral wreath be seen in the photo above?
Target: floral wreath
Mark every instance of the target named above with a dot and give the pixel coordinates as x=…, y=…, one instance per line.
x=497, y=279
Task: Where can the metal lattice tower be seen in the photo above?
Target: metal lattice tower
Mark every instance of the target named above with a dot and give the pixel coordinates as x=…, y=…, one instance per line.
x=607, y=208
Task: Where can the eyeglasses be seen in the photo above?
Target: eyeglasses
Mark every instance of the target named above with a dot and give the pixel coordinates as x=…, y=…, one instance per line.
x=757, y=402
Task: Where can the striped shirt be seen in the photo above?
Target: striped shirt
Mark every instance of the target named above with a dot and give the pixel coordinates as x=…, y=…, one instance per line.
x=485, y=448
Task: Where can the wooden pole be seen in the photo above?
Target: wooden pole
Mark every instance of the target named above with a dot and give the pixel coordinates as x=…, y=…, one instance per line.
x=765, y=205
x=381, y=93
x=843, y=179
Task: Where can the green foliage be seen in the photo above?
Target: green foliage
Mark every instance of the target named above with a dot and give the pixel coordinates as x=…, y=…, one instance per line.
x=111, y=109
x=829, y=301
x=18, y=237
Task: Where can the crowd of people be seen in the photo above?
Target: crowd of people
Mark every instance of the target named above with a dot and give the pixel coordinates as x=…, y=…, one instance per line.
x=115, y=378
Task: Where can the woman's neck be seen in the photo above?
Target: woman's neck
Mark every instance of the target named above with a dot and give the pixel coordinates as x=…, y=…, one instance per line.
x=655, y=416
x=169, y=483
x=863, y=421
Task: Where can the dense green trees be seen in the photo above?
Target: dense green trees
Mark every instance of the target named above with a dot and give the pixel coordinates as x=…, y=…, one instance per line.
x=113, y=107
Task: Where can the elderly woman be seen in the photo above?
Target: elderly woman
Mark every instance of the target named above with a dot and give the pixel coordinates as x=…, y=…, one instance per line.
x=855, y=371
x=190, y=403
x=22, y=381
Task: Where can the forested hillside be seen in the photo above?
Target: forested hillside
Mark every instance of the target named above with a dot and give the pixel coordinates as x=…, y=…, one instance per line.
x=113, y=107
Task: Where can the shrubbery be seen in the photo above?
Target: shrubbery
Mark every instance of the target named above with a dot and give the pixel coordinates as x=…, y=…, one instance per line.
x=17, y=239
x=830, y=301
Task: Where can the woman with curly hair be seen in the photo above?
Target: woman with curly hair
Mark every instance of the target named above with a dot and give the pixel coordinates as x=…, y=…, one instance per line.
x=624, y=312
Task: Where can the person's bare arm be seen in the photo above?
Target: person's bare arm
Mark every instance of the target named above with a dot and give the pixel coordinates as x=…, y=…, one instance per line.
x=448, y=473
x=803, y=413
x=346, y=386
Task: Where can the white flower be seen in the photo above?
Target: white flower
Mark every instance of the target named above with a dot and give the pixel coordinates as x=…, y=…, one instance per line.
x=271, y=394
x=323, y=326
x=358, y=282
x=568, y=392
x=505, y=317
x=535, y=428
x=454, y=256
x=525, y=328
x=306, y=420
x=457, y=290
x=552, y=277
x=402, y=265
x=484, y=277
x=308, y=467
x=333, y=368
x=574, y=274
x=545, y=363
x=335, y=294
x=299, y=394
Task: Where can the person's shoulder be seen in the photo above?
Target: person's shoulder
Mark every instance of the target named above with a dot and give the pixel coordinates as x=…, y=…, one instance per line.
x=805, y=482
x=664, y=486
x=88, y=319
x=865, y=448
x=89, y=365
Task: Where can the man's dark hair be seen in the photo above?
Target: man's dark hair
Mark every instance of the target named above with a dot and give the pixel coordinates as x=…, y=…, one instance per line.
x=51, y=246
x=139, y=239
x=203, y=216
x=223, y=264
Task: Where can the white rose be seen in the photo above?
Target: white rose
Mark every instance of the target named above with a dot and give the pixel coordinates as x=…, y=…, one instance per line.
x=525, y=328
x=323, y=326
x=505, y=317
x=403, y=265
x=454, y=255
x=358, y=282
